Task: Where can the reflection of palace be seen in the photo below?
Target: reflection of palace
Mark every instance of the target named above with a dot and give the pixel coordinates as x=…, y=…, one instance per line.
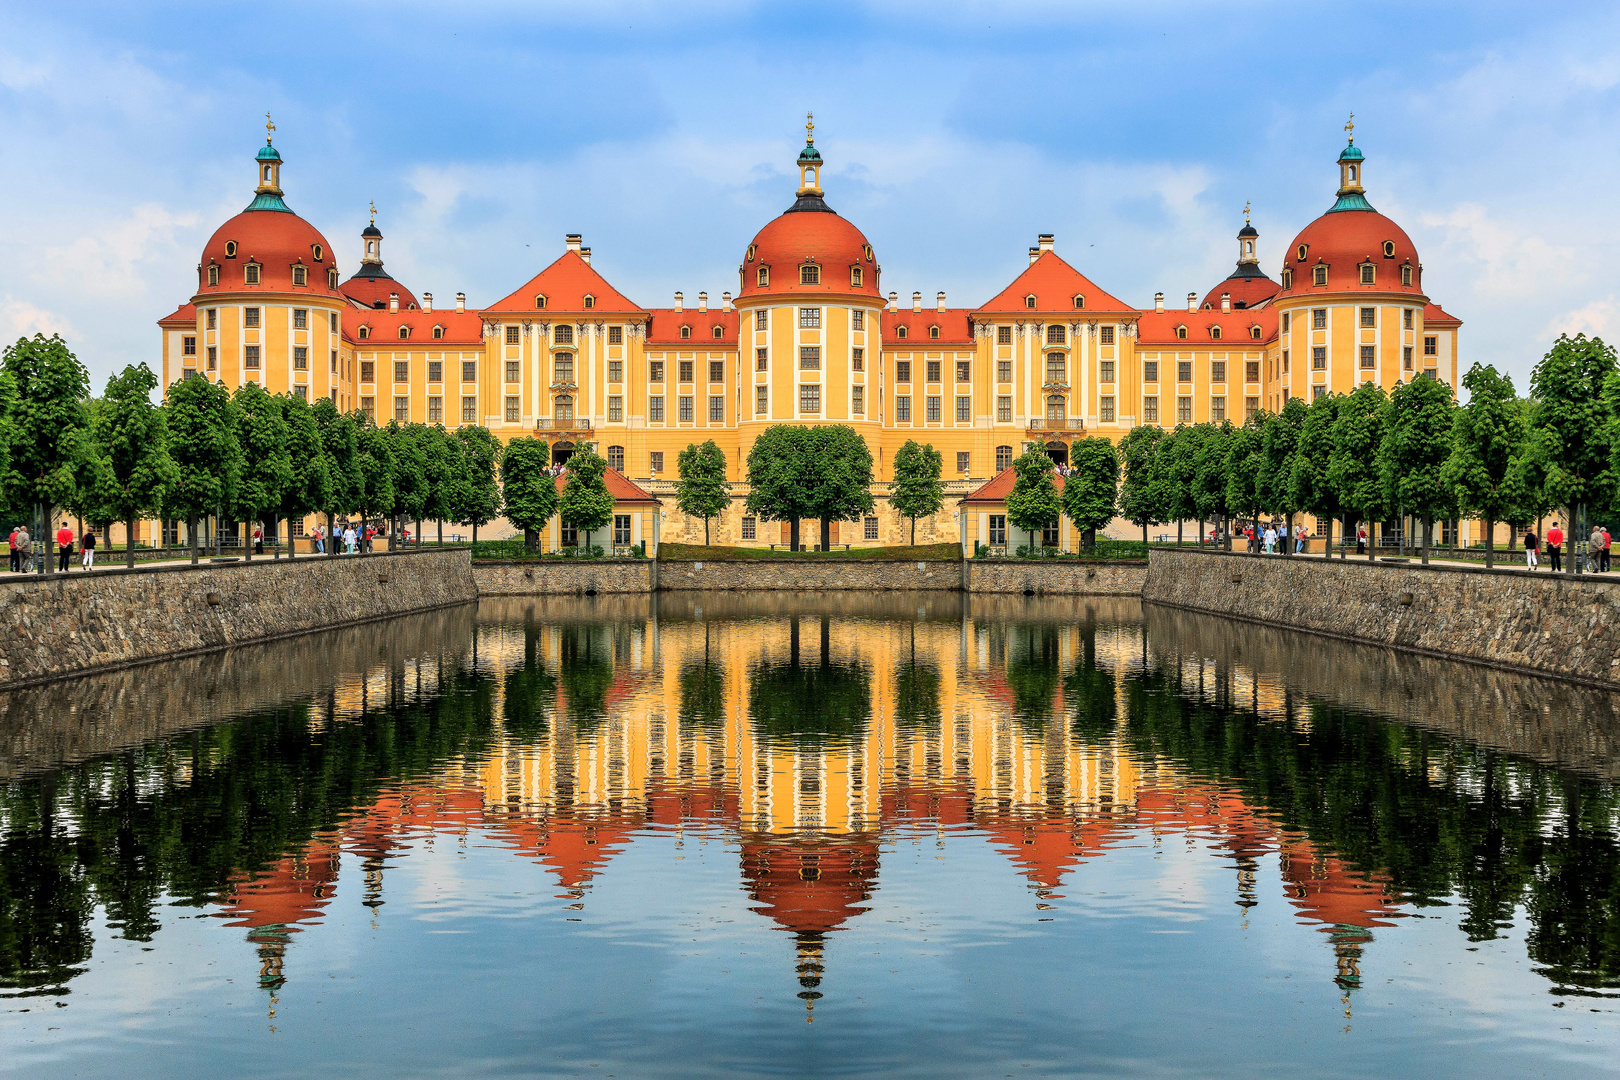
x=809, y=741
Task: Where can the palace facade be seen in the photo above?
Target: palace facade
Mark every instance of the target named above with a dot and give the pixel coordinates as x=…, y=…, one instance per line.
x=808, y=336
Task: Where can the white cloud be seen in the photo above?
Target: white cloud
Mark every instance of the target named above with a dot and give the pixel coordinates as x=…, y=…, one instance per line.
x=1600, y=317
x=21, y=318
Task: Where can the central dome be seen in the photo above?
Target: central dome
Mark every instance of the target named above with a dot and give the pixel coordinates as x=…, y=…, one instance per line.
x=1349, y=236
x=267, y=247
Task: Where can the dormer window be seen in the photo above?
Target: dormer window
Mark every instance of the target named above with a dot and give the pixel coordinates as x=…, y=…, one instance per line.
x=1181, y=333
x=763, y=277
x=686, y=332
x=332, y=278
x=230, y=249
x=1319, y=275
x=365, y=333
x=213, y=275
x=933, y=331
x=1406, y=275
x=250, y=273
x=539, y=301
x=856, y=276
x=1302, y=251
x=300, y=275
x=1254, y=332
x=317, y=251
x=1079, y=301
x=753, y=249
x=590, y=301
x=438, y=333
x=1288, y=278
x=1029, y=301
x=404, y=333
x=900, y=331
x=1367, y=273
x=810, y=275
x=1215, y=333
x=719, y=332
x=866, y=252
x=1389, y=249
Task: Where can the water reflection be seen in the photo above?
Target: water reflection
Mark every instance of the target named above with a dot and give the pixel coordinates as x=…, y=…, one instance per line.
x=1358, y=786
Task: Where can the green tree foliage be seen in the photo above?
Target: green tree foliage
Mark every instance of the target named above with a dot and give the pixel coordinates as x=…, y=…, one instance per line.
x=202, y=442
x=1487, y=437
x=840, y=475
x=1091, y=489
x=1245, y=462
x=261, y=432
x=47, y=432
x=917, y=490
x=1176, y=468
x=778, y=468
x=476, y=495
x=1142, y=495
x=340, y=446
x=132, y=435
x=1310, y=483
x=586, y=503
x=702, y=490
x=1568, y=456
x=1413, y=452
x=1209, y=469
x=1033, y=503
x=442, y=464
x=1278, y=445
x=310, y=488
x=528, y=488
x=822, y=472
x=410, y=472
x=1353, y=465
x=375, y=462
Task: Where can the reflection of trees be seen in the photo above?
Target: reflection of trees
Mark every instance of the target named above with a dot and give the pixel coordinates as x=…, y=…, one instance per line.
x=1032, y=671
x=813, y=698
x=587, y=670
x=702, y=685
x=258, y=788
x=916, y=689
x=529, y=692
x=1439, y=818
x=1089, y=691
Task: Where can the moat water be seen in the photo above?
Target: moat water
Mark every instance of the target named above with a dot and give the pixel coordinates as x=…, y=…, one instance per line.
x=719, y=835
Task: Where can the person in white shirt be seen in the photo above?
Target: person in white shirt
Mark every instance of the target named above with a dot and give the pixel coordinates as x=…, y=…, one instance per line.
x=1271, y=539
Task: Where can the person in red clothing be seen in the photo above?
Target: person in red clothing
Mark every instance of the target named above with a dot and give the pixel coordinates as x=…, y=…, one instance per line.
x=1555, y=541
x=1603, y=556
x=64, y=546
x=16, y=556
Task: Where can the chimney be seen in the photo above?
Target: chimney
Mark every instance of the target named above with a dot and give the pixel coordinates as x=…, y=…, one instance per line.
x=461, y=303
x=585, y=254
x=940, y=298
x=1034, y=253
x=703, y=303
x=1226, y=302
x=679, y=300
x=427, y=303
x=572, y=240
x=893, y=297
x=916, y=302
x=1192, y=301
x=1045, y=241
x=725, y=301
x=393, y=303
x=1158, y=302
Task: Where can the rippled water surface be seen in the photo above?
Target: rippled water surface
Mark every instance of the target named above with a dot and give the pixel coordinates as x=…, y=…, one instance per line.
x=702, y=836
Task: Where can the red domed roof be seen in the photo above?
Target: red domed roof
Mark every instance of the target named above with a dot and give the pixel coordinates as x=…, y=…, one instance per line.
x=1343, y=240
x=1246, y=290
x=810, y=233
x=276, y=240
x=371, y=288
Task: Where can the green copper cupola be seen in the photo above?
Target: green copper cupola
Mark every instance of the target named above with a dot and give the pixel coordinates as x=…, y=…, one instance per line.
x=267, y=196
x=1351, y=194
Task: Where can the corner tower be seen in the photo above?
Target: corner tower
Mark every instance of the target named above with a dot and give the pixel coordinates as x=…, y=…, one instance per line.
x=372, y=286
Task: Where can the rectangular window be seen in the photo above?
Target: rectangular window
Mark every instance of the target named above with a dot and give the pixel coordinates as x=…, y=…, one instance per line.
x=1285, y=321
x=435, y=410
x=964, y=409
x=962, y=460
x=213, y=318
x=857, y=400
x=1406, y=357
x=1369, y=316
x=513, y=331
x=615, y=408
x=513, y=412
x=1049, y=535
x=1150, y=410
x=1319, y=275
x=1317, y=391
x=569, y=535
x=1285, y=361
x=686, y=370
x=301, y=391
x=655, y=371
x=300, y=358
x=655, y=409
x=334, y=323
x=809, y=357
x=933, y=371
x=857, y=319
x=1003, y=458
x=250, y=317
x=469, y=371
x=1003, y=371
x=761, y=400
x=402, y=410
x=188, y=345
x=1057, y=368
x=300, y=318
x=1183, y=410
x=512, y=375
x=717, y=371
x=1105, y=371
x=656, y=461
x=368, y=371
x=1107, y=337
x=998, y=530
x=562, y=335
x=615, y=335
x=750, y=528
x=810, y=398
x=615, y=371
x=213, y=357
x=369, y=407
x=1319, y=358
x=1319, y=318
x=1184, y=371
x=963, y=370
x=687, y=411
x=810, y=318
x=300, y=275
x=1252, y=371
x=251, y=354
x=760, y=359
x=334, y=361
x=1431, y=346
x=402, y=371
x=435, y=371
x=902, y=408
x=1150, y=371
x=1367, y=357
x=717, y=409
x=621, y=530
x=1251, y=405
x=902, y=371
x=1105, y=409
x=1055, y=335
x=933, y=410
x=1004, y=409
x=1217, y=371
x=1367, y=273
x=1406, y=318
x=1003, y=335
x=809, y=275
x=762, y=319
x=1217, y=410
x=869, y=528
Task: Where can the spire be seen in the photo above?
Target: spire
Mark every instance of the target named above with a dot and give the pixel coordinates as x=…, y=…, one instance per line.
x=371, y=239
x=810, y=171
x=1246, y=241
x=267, y=166
x=1351, y=193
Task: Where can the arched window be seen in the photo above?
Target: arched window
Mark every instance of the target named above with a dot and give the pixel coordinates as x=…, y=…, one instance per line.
x=1288, y=278
x=933, y=331
x=230, y=249
x=267, y=174
x=1079, y=301
x=719, y=332
x=1319, y=275
x=686, y=332
x=1003, y=458
x=1181, y=332
x=615, y=458
x=1352, y=174
x=539, y=301
x=371, y=247
x=763, y=277
x=300, y=275
x=1029, y=301
x=810, y=275
x=1254, y=332
x=1215, y=333
x=1248, y=248
x=213, y=275
x=365, y=332
x=590, y=301
x=900, y=331
x=438, y=333
x=404, y=333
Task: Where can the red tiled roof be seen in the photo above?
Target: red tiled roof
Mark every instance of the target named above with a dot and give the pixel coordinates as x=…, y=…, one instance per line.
x=1055, y=284
x=277, y=241
x=186, y=315
x=665, y=328
x=819, y=236
x=369, y=291
x=999, y=486
x=1344, y=240
x=464, y=328
x=620, y=486
x=1433, y=316
x=955, y=327
x=1159, y=328
x=1246, y=292
x=565, y=284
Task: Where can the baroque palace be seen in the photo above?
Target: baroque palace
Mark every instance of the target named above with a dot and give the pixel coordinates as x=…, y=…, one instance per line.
x=809, y=337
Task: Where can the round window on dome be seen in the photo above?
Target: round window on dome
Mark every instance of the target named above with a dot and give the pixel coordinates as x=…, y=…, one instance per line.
x=230, y=249
x=753, y=249
x=1303, y=250
x=318, y=251
x=1389, y=249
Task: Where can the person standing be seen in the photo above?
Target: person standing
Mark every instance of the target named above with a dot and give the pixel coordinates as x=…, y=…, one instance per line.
x=64, y=546
x=258, y=539
x=1531, y=546
x=25, y=549
x=1361, y=539
x=1302, y=540
x=1594, y=557
x=1555, y=547
x=1271, y=539
x=1603, y=556
x=89, y=549
x=319, y=538
x=16, y=559
x=348, y=538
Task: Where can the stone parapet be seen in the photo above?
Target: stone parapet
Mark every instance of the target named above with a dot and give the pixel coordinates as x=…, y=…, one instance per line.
x=809, y=575
x=563, y=577
x=1056, y=577
x=1542, y=622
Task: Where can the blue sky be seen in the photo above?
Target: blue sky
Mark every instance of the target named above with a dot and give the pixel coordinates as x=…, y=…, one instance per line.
x=666, y=134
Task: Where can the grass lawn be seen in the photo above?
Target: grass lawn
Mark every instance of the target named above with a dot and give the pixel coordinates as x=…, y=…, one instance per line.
x=920, y=553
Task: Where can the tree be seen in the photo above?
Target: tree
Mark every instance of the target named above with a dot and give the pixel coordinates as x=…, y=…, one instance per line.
x=340, y=448
x=1209, y=484
x=266, y=465
x=702, y=490
x=1569, y=447
x=586, y=502
x=1091, y=488
x=1412, y=454
x=409, y=473
x=375, y=463
x=441, y=466
x=822, y=472
x=777, y=474
x=1310, y=486
x=1353, y=465
x=840, y=475
x=309, y=488
x=1176, y=464
x=1142, y=495
x=1278, y=446
x=1245, y=460
x=476, y=496
x=1033, y=501
x=47, y=430
x=133, y=437
x=528, y=487
x=917, y=491
x=202, y=442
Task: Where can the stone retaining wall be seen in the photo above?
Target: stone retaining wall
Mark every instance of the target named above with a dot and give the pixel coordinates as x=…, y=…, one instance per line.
x=814, y=575
x=1056, y=577
x=84, y=622
x=563, y=577
x=1536, y=621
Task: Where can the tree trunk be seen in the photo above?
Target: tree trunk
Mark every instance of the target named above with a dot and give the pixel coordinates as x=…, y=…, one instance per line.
x=191, y=537
x=793, y=535
x=475, y=534
x=1178, y=533
x=913, y=532
x=1490, y=543
x=1288, y=544
x=247, y=541
x=1327, y=544
x=1427, y=520
x=49, y=537
x=1226, y=526
x=705, y=532
x=826, y=533
x=418, y=532
x=129, y=543
x=530, y=539
x=331, y=536
x=1088, y=538
x=440, y=525
x=1371, y=546
x=1573, y=565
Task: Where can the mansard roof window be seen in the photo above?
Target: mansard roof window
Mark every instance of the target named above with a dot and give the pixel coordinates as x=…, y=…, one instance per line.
x=250, y=273
x=933, y=331
x=365, y=333
x=404, y=333
x=686, y=331
x=900, y=331
x=438, y=333
x=719, y=331
x=1406, y=275
x=590, y=301
x=1029, y=301
x=300, y=275
x=1319, y=274
x=1368, y=274
x=230, y=249
x=1215, y=333
x=332, y=278
x=810, y=274
x=213, y=275
x=539, y=301
x=856, y=276
x=763, y=277
x=1181, y=332
x=1254, y=332
x=1079, y=301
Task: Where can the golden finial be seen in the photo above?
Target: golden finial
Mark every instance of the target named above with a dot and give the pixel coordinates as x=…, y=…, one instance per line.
x=1350, y=126
x=374, y=211
x=1245, y=211
x=809, y=129
x=269, y=129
